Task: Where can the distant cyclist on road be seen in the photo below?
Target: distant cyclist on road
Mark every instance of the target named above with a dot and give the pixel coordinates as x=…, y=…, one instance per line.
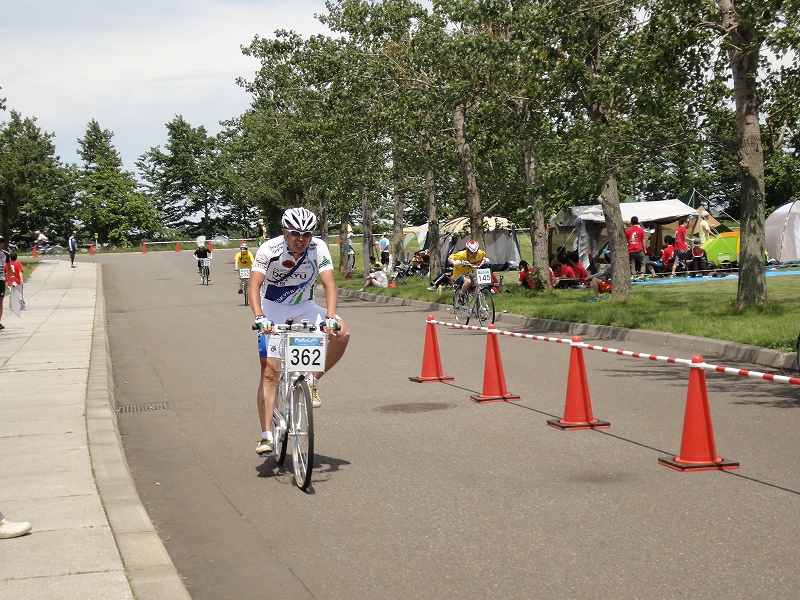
x=461, y=261
x=243, y=260
x=199, y=254
x=282, y=284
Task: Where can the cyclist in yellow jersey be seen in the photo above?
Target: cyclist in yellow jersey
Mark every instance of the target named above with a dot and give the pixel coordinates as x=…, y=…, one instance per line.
x=461, y=261
x=243, y=260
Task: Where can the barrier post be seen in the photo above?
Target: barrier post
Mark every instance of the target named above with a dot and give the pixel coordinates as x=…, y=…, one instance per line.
x=698, y=450
x=431, y=361
x=494, y=380
x=578, y=406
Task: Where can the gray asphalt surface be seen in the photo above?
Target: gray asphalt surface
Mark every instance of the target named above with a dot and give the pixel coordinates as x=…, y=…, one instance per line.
x=466, y=501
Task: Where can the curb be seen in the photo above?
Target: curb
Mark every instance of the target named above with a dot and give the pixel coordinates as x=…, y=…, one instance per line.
x=149, y=568
x=755, y=355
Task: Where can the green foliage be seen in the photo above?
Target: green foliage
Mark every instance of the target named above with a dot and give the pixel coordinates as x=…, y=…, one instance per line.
x=109, y=203
x=36, y=190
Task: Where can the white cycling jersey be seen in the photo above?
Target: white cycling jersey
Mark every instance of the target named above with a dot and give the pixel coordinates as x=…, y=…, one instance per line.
x=288, y=280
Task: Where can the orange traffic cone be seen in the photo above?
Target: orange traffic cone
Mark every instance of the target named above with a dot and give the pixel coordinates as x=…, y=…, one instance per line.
x=144, y=248
x=698, y=451
x=35, y=252
x=210, y=245
x=91, y=249
x=494, y=380
x=177, y=246
x=431, y=361
x=578, y=407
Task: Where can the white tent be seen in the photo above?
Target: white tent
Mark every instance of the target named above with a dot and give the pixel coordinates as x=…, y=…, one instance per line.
x=658, y=211
x=502, y=246
x=420, y=232
x=589, y=220
x=782, y=229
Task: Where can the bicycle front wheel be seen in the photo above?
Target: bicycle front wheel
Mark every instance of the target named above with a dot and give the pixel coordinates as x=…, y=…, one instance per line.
x=484, y=307
x=279, y=424
x=462, y=309
x=244, y=287
x=302, y=433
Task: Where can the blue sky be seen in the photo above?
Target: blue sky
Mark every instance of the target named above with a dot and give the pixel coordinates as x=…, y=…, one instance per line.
x=133, y=65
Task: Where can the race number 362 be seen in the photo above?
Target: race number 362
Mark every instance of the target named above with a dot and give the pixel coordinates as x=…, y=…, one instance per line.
x=306, y=353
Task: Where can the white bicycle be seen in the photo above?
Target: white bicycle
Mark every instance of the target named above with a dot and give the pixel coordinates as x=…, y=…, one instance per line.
x=302, y=348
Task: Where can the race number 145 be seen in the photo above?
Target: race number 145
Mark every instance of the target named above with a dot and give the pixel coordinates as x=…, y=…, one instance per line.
x=306, y=352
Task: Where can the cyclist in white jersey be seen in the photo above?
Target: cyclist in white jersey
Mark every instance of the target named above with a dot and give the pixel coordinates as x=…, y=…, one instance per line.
x=282, y=283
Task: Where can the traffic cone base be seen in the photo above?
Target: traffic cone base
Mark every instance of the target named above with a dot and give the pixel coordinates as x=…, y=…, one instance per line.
x=431, y=379
x=431, y=360
x=563, y=425
x=717, y=465
x=481, y=399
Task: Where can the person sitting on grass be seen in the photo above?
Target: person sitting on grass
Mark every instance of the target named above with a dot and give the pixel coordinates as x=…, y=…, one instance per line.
x=565, y=276
x=667, y=260
x=580, y=271
x=600, y=282
x=526, y=273
x=377, y=276
x=699, y=264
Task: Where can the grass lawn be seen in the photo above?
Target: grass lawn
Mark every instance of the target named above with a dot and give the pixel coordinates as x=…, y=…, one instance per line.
x=702, y=308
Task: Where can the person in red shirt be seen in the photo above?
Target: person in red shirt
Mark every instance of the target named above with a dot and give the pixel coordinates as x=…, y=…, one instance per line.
x=564, y=275
x=680, y=235
x=14, y=270
x=577, y=267
x=635, y=237
x=526, y=275
x=667, y=260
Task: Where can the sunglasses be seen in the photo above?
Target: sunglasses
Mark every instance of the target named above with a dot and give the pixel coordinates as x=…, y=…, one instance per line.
x=303, y=234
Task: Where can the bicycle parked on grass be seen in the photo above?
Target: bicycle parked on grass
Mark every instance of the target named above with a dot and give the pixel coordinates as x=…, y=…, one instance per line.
x=205, y=270
x=244, y=275
x=302, y=348
x=477, y=301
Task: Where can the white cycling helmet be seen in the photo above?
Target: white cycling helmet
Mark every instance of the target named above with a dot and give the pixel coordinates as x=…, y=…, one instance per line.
x=472, y=246
x=299, y=219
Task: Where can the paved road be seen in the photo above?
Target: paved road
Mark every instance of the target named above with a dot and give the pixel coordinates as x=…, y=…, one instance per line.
x=463, y=502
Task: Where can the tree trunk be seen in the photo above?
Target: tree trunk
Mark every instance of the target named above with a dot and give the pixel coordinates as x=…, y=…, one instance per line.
x=434, y=252
x=397, y=231
x=621, y=270
x=322, y=215
x=468, y=171
x=366, y=242
x=541, y=256
x=744, y=54
x=343, y=241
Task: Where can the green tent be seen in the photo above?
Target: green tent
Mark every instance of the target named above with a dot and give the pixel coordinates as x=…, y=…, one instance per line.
x=723, y=248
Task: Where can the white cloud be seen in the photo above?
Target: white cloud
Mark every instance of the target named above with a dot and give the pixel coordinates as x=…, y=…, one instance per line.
x=133, y=66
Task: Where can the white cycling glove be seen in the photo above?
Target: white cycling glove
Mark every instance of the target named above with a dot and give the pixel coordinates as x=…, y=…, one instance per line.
x=262, y=323
x=456, y=262
x=331, y=324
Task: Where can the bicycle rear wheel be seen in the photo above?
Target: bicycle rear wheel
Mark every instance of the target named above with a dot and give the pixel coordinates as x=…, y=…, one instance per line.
x=302, y=433
x=279, y=424
x=484, y=307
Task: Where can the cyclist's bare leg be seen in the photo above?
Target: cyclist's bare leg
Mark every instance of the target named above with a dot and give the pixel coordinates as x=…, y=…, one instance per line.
x=466, y=284
x=337, y=344
x=265, y=398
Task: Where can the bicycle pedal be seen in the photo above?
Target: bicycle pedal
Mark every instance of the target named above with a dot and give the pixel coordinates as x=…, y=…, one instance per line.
x=266, y=454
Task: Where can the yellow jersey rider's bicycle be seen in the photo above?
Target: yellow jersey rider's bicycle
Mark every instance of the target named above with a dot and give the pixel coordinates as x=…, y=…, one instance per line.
x=477, y=301
x=302, y=352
